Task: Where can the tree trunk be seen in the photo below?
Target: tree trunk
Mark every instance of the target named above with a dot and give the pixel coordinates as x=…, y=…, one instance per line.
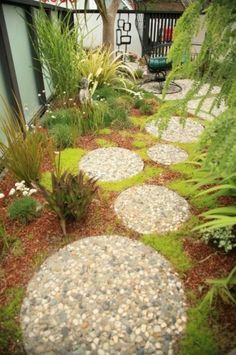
x=108, y=31
x=63, y=226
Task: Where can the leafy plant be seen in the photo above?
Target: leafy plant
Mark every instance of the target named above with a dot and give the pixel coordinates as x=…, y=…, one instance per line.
x=138, y=73
x=62, y=135
x=22, y=151
x=60, y=50
x=23, y=209
x=70, y=195
x=222, y=288
x=67, y=116
x=222, y=237
x=102, y=67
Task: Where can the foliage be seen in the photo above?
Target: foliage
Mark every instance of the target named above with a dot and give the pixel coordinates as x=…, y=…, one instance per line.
x=221, y=216
x=23, y=209
x=223, y=237
x=105, y=143
x=102, y=67
x=59, y=52
x=198, y=339
x=65, y=116
x=117, y=114
x=138, y=73
x=148, y=173
x=62, y=136
x=22, y=152
x=10, y=329
x=222, y=288
x=70, y=196
x=171, y=247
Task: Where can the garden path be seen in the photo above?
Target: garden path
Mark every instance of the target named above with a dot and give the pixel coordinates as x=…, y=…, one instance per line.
x=110, y=294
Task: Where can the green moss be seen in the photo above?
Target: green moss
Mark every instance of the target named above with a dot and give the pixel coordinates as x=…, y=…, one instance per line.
x=10, y=329
x=140, y=121
x=143, y=154
x=105, y=143
x=186, y=189
x=69, y=160
x=105, y=131
x=139, y=144
x=198, y=338
x=171, y=247
x=147, y=173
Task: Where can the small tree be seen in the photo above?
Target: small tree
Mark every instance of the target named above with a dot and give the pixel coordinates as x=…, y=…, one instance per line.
x=108, y=15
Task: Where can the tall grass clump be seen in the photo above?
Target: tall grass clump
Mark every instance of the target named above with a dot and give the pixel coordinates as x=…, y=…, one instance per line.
x=59, y=49
x=102, y=67
x=22, y=150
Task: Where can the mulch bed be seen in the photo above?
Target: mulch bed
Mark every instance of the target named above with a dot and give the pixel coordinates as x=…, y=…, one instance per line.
x=43, y=236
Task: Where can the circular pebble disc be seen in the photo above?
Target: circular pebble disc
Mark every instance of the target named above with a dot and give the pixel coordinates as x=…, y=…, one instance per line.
x=111, y=164
x=175, y=131
x=167, y=154
x=151, y=209
x=103, y=295
x=205, y=111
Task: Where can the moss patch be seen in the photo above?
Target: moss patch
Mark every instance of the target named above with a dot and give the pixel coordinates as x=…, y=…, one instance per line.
x=147, y=173
x=198, y=339
x=171, y=247
x=70, y=158
x=186, y=189
x=10, y=329
x=105, y=131
x=105, y=143
x=140, y=121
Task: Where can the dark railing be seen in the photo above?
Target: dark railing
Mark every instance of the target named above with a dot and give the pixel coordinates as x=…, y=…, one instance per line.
x=156, y=29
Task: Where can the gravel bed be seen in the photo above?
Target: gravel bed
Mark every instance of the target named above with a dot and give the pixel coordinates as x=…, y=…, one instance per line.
x=176, y=132
x=167, y=154
x=151, y=209
x=111, y=164
x=102, y=296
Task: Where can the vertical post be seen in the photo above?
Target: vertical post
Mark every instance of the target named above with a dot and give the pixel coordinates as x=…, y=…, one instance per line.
x=146, y=22
x=8, y=60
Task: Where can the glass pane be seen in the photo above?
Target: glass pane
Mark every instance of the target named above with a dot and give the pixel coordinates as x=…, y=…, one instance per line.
x=4, y=95
x=22, y=57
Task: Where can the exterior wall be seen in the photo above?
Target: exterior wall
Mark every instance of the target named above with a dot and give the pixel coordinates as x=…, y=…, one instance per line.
x=93, y=31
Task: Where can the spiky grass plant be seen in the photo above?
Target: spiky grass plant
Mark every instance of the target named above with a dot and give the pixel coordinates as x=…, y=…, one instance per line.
x=59, y=48
x=22, y=149
x=102, y=67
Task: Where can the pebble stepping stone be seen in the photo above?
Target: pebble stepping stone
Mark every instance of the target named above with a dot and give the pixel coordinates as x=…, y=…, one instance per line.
x=175, y=131
x=151, y=209
x=104, y=295
x=111, y=164
x=167, y=154
x=204, y=111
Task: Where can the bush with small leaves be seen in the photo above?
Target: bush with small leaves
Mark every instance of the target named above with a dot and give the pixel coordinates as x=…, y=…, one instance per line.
x=23, y=209
x=62, y=135
x=222, y=237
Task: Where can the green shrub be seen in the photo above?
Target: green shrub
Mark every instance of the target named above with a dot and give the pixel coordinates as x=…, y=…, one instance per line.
x=22, y=149
x=138, y=73
x=222, y=237
x=70, y=195
x=68, y=116
x=59, y=51
x=23, y=209
x=62, y=135
x=147, y=109
x=138, y=103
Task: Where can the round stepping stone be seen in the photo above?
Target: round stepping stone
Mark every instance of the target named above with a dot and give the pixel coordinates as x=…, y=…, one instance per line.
x=111, y=164
x=104, y=295
x=204, y=111
x=175, y=131
x=167, y=154
x=151, y=209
